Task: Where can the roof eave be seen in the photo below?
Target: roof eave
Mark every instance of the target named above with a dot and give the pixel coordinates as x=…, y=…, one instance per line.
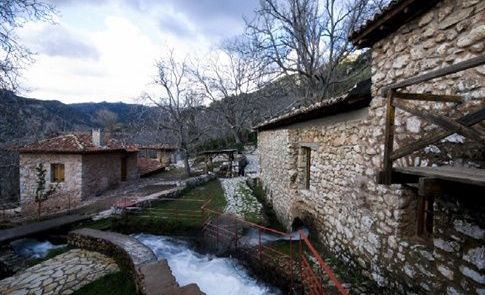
x=75, y=152
x=392, y=18
x=344, y=106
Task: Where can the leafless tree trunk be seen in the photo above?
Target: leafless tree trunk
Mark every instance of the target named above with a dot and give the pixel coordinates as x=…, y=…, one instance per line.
x=307, y=39
x=179, y=105
x=107, y=119
x=13, y=55
x=228, y=78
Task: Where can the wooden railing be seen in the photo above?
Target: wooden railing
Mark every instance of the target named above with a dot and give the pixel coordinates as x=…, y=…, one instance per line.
x=397, y=99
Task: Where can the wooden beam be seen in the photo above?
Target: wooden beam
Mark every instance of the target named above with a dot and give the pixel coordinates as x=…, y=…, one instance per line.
x=432, y=137
x=470, y=63
x=429, y=187
x=429, y=97
x=397, y=177
x=465, y=176
x=442, y=121
x=386, y=178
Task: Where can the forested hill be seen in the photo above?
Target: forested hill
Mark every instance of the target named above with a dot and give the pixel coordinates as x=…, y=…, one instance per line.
x=26, y=119
x=125, y=113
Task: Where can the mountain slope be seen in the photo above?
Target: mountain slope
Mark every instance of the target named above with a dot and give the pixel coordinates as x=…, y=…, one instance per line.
x=25, y=119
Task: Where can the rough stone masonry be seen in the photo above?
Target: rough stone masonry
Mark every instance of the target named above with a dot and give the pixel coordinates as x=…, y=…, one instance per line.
x=372, y=227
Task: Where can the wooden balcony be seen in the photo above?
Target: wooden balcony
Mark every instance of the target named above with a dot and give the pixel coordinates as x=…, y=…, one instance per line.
x=464, y=126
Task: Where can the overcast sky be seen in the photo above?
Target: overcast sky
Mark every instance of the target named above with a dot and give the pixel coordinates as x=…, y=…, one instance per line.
x=105, y=50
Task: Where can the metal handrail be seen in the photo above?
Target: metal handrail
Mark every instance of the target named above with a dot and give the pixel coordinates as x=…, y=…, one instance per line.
x=308, y=276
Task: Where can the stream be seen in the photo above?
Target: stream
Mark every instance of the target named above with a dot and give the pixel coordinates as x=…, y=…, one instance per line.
x=214, y=275
x=32, y=248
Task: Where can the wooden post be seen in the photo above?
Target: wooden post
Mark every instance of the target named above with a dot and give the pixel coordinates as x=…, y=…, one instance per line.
x=231, y=159
x=386, y=176
x=207, y=163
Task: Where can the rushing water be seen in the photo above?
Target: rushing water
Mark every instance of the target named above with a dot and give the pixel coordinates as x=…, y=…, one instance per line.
x=212, y=274
x=32, y=248
x=253, y=236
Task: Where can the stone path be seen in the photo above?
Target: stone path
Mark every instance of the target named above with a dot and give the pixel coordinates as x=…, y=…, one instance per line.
x=252, y=168
x=62, y=274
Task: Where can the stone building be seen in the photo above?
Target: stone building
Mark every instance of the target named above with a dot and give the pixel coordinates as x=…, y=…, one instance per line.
x=393, y=183
x=80, y=165
x=163, y=153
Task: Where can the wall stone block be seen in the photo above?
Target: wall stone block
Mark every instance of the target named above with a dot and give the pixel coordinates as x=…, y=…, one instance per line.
x=376, y=224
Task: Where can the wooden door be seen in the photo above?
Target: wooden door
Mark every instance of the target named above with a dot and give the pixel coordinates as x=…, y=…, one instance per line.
x=123, y=168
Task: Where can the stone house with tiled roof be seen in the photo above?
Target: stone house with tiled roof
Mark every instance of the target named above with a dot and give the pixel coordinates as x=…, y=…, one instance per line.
x=81, y=165
x=393, y=184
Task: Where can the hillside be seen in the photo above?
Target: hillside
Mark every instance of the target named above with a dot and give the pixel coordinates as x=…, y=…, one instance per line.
x=125, y=113
x=25, y=119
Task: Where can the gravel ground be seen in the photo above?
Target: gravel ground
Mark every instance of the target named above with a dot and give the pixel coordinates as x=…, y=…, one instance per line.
x=252, y=169
x=240, y=200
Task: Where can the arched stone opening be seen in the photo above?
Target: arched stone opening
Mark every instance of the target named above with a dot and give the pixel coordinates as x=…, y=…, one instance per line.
x=304, y=222
x=297, y=224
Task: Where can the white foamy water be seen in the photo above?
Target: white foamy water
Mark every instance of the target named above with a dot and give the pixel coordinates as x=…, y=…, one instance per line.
x=252, y=236
x=213, y=275
x=32, y=248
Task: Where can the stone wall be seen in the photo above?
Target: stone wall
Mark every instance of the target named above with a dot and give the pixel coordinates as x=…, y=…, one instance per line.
x=150, y=275
x=103, y=170
x=373, y=227
x=68, y=193
x=85, y=175
x=452, y=32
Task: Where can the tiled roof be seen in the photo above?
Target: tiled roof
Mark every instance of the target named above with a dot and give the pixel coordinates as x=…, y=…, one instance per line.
x=74, y=143
x=148, y=166
x=165, y=147
x=389, y=19
x=356, y=98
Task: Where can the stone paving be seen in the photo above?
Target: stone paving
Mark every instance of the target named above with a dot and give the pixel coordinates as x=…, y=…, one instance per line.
x=62, y=274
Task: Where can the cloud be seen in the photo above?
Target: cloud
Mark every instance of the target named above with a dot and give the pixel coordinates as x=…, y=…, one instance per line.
x=176, y=26
x=107, y=49
x=58, y=40
x=123, y=69
x=209, y=19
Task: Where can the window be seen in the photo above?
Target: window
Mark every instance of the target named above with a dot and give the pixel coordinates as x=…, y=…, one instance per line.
x=425, y=216
x=57, y=172
x=306, y=153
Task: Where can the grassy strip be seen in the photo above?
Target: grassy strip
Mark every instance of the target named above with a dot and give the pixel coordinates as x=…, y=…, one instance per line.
x=120, y=283
x=174, y=217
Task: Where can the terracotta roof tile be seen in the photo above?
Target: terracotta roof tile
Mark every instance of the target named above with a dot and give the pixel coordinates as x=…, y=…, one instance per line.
x=74, y=143
x=389, y=19
x=147, y=166
x=357, y=97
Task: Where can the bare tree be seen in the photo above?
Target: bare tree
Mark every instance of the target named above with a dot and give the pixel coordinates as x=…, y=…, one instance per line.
x=13, y=55
x=179, y=105
x=230, y=79
x=107, y=119
x=307, y=39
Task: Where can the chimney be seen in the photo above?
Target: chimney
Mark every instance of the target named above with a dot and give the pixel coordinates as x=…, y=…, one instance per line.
x=98, y=138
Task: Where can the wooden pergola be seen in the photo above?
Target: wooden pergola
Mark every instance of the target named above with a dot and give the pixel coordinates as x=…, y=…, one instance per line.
x=210, y=155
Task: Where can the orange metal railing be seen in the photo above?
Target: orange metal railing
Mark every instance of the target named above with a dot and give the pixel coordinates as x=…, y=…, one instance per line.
x=301, y=263
x=302, y=256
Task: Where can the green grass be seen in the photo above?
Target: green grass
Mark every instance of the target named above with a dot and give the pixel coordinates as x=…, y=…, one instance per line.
x=251, y=210
x=175, y=217
x=174, y=173
x=100, y=224
x=120, y=283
